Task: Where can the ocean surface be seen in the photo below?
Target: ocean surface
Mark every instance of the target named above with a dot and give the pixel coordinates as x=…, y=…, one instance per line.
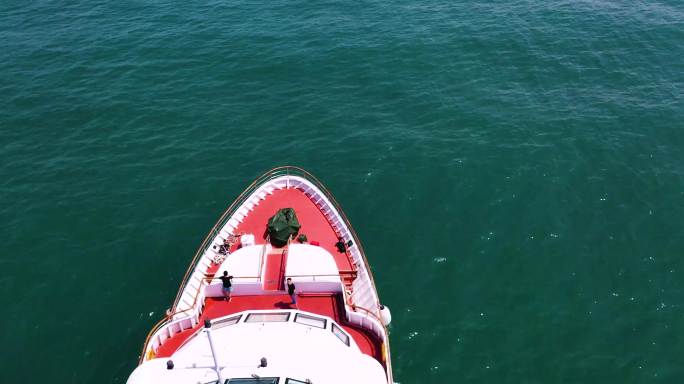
x=515, y=170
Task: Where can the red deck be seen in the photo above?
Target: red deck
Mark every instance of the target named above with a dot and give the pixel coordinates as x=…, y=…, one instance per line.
x=318, y=230
x=314, y=224
x=275, y=265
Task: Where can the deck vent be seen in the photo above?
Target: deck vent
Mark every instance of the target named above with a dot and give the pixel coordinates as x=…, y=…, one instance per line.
x=263, y=362
x=169, y=364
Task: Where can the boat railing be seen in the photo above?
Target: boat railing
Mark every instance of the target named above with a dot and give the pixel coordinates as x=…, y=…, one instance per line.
x=376, y=325
x=364, y=293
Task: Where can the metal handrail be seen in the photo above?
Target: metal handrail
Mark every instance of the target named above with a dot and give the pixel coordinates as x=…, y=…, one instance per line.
x=388, y=360
x=376, y=317
x=234, y=277
x=169, y=315
x=154, y=330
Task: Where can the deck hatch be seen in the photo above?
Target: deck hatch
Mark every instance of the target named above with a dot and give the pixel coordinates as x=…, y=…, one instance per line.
x=311, y=321
x=226, y=322
x=267, y=317
x=260, y=380
x=337, y=331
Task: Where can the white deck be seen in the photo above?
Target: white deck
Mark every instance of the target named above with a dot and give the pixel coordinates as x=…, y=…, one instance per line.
x=244, y=264
x=312, y=268
x=293, y=350
x=309, y=262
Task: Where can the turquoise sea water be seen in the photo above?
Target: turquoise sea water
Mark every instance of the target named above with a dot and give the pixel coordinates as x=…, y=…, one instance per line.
x=515, y=170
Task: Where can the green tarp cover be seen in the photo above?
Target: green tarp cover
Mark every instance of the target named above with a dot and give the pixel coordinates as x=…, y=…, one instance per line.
x=283, y=225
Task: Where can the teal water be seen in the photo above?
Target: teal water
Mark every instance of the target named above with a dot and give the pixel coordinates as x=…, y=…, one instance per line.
x=515, y=170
